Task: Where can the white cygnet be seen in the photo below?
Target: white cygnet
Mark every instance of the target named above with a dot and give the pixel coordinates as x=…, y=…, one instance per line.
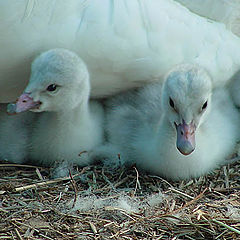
x=67, y=125
x=179, y=130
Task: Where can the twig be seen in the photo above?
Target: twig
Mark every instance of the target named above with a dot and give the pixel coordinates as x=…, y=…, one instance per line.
x=74, y=188
x=137, y=185
x=19, y=165
x=162, y=179
x=221, y=234
x=226, y=226
x=45, y=237
x=93, y=227
x=39, y=174
x=18, y=234
x=181, y=193
x=36, y=185
x=191, y=202
x=189, y=223
x=226, y=177
x=107, y=180
x=15, y=222
x=115, y=185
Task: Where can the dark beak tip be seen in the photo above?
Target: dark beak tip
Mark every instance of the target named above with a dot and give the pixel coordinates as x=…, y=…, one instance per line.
x=185, y=153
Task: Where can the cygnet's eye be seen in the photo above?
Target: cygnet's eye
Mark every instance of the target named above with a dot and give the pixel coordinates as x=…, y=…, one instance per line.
x=52, y=88
x=171, y=103
x=204, y=106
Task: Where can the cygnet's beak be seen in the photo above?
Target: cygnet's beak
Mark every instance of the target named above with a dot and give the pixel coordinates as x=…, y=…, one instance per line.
x=185, y=137
x=24, y=103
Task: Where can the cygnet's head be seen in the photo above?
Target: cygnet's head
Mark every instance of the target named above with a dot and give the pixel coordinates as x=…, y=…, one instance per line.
x=59, y=81
x=186, y=102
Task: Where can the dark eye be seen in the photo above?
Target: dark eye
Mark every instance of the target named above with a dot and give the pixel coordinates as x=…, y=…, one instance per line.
x=204, y=106
x=171, y=103
x=52, y=87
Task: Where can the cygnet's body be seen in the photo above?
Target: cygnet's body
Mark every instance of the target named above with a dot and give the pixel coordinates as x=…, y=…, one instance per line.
x=67, y=123
x=14, y=135
x=174, y=130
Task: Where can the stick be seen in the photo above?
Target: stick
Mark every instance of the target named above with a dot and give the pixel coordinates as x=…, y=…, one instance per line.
x=226, y=226
x=36, y=185
x=18, y=165
x=74, y=188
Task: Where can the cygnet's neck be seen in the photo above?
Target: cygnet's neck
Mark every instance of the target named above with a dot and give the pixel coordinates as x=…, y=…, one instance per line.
x=79, y=115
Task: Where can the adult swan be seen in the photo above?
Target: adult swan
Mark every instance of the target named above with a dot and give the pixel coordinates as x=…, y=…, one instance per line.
x=124, y=43
x=225, y=11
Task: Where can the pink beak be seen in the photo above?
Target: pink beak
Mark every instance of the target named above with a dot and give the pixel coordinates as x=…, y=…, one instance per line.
x=24, y=103
x=186, y=138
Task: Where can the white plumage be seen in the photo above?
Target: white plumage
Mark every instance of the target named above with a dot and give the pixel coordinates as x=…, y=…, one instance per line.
x=14, y=135
x=179, y=130
x=66, y=123
x=225, y=11
x=124, y=43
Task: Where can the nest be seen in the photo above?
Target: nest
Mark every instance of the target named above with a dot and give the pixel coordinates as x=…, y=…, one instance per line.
x=98, y=204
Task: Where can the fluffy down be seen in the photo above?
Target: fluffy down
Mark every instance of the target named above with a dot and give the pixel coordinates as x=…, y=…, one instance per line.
x=66, y=122
x=178, y=130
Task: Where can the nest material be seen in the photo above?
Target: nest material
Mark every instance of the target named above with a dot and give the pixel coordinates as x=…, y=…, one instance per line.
x=127, y=204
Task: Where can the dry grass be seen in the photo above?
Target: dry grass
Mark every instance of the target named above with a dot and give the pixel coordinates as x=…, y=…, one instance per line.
x=96, y=204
